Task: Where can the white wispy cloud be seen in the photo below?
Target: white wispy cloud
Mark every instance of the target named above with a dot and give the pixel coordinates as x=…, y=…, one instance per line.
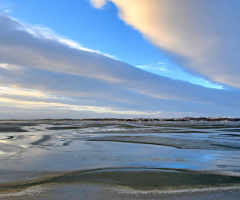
x=177, y=73
x=98, y=3
x=9, y=66
x=41, y=31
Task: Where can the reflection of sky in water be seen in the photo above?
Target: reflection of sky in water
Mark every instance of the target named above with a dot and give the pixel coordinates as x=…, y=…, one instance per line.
x=68, y=149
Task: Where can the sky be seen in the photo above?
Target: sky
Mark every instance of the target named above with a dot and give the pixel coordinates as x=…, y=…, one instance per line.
x=119, y=58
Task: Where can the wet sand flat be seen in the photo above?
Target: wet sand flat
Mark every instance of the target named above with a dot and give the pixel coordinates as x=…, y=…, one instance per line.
x=119, y=160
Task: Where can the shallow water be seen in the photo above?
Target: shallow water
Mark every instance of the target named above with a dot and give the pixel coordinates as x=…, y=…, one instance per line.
x=119, y=160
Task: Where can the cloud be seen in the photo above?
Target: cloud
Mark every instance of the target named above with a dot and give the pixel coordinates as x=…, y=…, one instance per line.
x=40, y=74
x=175, y=72
x=202, y=35
x=98, y=3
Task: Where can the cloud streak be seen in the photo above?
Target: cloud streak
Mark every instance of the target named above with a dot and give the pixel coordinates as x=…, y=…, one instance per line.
x=43, y=72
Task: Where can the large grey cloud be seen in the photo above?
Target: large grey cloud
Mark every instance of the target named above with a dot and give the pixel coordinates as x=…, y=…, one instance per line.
x=202, y=35
x=73, y=77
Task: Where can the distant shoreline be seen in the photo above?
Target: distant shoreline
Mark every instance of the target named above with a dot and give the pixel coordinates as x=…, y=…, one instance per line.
x=185, y=119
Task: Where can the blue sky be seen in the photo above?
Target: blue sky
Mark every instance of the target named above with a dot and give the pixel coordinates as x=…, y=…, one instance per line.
x=113, y=47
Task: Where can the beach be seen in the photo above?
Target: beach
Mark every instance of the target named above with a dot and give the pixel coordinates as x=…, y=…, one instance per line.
x=50, y=159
